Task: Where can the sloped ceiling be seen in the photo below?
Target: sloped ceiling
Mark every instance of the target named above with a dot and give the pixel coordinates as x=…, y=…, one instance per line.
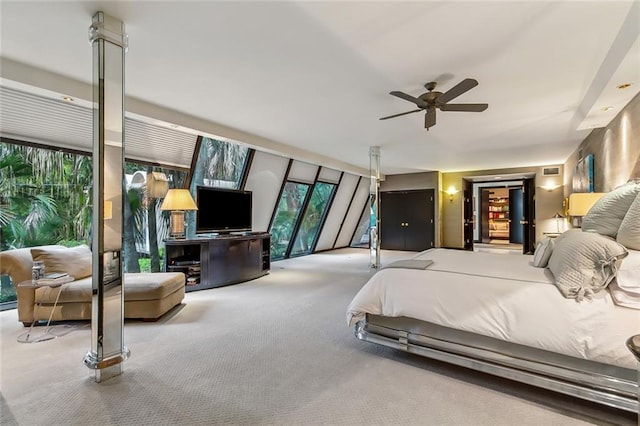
x=63, y=124
x=311, y=79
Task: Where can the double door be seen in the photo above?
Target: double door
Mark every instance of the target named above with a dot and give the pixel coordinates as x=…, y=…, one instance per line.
x=407, y=220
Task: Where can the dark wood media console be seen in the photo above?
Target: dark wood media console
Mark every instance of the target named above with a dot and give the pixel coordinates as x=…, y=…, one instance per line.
x=215, y=261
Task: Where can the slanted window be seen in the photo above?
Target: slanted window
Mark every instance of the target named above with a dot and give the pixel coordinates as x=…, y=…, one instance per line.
x=143, y=247
x=361, y=235
x=287, y=214
x=313, y=218
x=220, y=164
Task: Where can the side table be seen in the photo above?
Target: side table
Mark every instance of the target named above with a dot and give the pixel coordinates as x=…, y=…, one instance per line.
x=28, y=336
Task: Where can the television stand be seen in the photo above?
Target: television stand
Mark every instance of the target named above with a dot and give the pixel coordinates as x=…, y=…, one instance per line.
x=219, y=260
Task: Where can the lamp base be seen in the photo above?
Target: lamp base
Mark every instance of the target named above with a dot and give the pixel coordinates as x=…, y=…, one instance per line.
x=177, y=225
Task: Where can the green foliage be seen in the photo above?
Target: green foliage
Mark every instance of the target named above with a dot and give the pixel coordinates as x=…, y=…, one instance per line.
x=289, y=207
x=145, y=264
x=312, y=217
x=44, y=196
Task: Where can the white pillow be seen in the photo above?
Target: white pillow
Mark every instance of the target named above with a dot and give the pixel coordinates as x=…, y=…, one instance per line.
x=584, y=263
x=607, y=213
x=629, y=280
x=625, y=289
x=543, y=253
x=629, y=232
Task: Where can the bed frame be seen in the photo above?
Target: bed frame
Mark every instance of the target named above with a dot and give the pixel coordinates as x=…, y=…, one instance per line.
x=602, y=383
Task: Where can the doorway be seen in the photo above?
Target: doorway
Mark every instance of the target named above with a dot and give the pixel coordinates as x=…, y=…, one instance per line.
x=498, y=214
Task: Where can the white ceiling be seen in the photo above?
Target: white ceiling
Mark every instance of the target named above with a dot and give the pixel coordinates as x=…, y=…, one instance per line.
x=311, y=79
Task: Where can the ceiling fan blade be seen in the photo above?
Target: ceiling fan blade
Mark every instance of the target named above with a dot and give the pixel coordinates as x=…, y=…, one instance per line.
x=464, y=107
x=402, y=95
x=457, y=90
x=402, y=113
x=430, y=118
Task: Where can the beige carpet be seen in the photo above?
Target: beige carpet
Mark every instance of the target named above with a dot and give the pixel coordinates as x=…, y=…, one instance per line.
x=275, y=350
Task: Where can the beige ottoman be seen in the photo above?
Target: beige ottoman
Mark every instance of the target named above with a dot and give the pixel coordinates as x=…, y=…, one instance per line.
x=148, y=296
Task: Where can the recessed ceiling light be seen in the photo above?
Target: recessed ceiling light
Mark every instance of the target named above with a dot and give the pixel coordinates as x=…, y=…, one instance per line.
x=607, y=108
x=623, y=86
x=68, y=98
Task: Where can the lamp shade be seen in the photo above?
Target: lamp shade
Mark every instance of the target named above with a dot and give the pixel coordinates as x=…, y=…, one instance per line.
x=581, y=202
x=157, y=184
x=178, y=199
x=557, y=216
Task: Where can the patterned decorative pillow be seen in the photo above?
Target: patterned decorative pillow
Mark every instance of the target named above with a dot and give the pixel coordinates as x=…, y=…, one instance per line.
x=629, y=232
x=607, y=213
x=543, y=253
x=584, y=263
x=76, y=261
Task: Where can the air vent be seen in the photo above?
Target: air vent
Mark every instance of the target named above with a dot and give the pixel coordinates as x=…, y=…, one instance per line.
x=551, y=171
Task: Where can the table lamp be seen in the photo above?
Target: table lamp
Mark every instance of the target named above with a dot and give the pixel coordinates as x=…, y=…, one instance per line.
x=178, y=201
x=581, y=202
x=557, y=217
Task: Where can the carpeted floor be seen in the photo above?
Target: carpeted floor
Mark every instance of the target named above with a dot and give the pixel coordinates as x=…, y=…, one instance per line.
x=275, y=350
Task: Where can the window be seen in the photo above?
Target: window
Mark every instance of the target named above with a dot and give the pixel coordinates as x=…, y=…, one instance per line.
x=220, y=164
x=361, y=235
x=45, y=198
x=287, y=213
x=143, y=246
x=312, y=218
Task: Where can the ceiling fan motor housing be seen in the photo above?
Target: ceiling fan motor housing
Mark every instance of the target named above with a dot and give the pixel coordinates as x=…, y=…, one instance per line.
x=430, y=97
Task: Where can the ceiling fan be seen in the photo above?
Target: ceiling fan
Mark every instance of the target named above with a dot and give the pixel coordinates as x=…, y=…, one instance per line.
x=431, y=100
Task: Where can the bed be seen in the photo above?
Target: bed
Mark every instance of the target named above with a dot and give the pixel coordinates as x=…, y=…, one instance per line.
x=499, y=314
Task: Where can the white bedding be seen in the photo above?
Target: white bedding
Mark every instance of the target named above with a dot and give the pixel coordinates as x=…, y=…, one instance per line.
x=505, y=297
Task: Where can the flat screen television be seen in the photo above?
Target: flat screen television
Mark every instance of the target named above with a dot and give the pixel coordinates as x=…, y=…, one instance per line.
x=222, y=210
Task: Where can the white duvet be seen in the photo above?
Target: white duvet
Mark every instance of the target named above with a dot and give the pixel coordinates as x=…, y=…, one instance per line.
x=504, y=297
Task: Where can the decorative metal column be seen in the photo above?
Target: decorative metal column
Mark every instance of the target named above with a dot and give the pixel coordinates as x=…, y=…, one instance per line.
x=109, y=43
x=374, y=197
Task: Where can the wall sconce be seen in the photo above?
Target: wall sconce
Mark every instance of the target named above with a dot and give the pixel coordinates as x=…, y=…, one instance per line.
x=451, y=191
x=177, y=201
x=580, y=203
x=550, y=187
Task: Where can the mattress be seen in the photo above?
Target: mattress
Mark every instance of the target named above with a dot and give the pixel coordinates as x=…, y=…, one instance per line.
x=503, y=297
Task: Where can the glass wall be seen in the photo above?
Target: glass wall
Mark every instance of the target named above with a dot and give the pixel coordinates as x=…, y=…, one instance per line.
x=45, y=198
x=148, y=226
x=312, y=218
x=220, y=164
x=361, y=236
x=287, y=213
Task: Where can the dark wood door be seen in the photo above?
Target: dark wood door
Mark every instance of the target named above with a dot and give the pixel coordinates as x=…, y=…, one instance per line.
x=529, y=214
x=407, y=220
x=392, y=220
x=516, y=215
x=468, y=214
x=418, y=221
x=484, y=215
